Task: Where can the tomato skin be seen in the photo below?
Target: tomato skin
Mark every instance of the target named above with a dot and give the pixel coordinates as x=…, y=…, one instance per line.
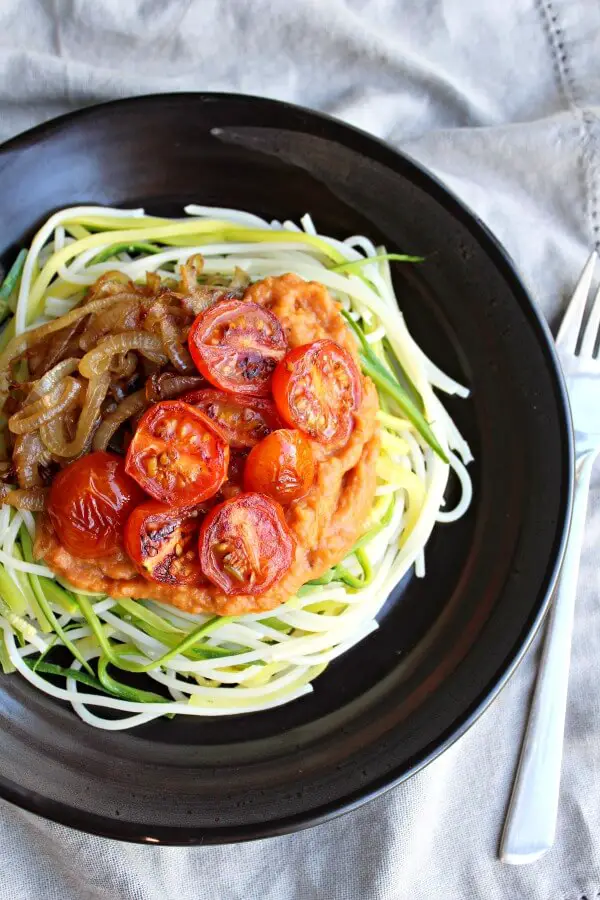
x=245, y=544
x=243, y=420
x=281, y=466
x=316, y=389
x=178, y=455
x=236, y=345
x=89, y=503
x=152, y=535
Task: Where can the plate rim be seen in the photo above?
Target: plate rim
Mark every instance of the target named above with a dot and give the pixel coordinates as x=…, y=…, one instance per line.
x=104, y=826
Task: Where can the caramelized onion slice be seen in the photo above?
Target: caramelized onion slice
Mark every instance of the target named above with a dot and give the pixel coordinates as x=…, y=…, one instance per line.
x=52, y=377
x=55, y=348
x=53, y=433
x=32, y=499
x=189, y=271
x=239, y=282
x=123, y=316
x=175, y=349
x=115, y=284
x=166, y=385
x=171, y=322
x=28, y=455
x=128, y=407
x=53, y=403
x=22, y=342
x=124, y=365
x=98, y=360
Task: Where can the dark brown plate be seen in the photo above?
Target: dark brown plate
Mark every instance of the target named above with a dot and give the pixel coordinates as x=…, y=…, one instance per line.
x=446, y=643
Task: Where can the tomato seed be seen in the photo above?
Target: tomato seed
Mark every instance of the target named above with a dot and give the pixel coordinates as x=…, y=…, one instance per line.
x=233, y=572
x=152, y=466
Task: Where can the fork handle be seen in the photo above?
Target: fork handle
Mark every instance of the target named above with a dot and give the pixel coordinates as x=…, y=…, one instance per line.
x=530, y=825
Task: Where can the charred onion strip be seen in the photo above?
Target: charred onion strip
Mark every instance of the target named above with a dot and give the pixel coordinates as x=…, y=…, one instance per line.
x=165, y=386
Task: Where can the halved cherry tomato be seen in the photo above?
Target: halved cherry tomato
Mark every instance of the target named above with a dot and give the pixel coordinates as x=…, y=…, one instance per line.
x=316, y=389
x=243, y=420
x=236, y=345
x=163, y=544
x=90, y=501
x=178, y=455
x=282, y=466
x=245, y=544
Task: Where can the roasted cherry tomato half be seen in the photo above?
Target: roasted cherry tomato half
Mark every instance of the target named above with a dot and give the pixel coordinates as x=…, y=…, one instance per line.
x=177, y=454
x=163, y=544
x=316, y=389
x=282, y=466
x=236, y=346
x=245, y=544
x=90, y=501
x=243, y=420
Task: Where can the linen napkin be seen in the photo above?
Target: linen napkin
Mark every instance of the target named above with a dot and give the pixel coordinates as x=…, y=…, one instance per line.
x=501, y=101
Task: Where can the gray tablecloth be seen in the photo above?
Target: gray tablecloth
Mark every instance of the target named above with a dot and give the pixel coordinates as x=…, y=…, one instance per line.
x=500, y=99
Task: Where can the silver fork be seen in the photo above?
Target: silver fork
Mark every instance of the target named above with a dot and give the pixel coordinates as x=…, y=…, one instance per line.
x=530, y=825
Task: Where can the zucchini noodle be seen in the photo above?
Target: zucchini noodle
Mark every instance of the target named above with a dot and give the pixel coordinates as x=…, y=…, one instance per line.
x=79, y=647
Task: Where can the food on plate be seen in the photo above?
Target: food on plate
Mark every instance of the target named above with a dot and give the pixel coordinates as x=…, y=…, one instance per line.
x=317, y=389
x=236, y=346
x=282, y=465
x=220, y=451
x=90, y=502
x=245, y=544
x=163, y=543
x=177, y=454
x=244, y=420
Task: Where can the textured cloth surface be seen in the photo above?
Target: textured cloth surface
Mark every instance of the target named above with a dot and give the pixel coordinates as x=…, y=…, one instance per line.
x=500, y=100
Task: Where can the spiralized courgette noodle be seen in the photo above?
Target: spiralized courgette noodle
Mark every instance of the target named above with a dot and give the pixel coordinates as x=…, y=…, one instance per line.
x=251, y=662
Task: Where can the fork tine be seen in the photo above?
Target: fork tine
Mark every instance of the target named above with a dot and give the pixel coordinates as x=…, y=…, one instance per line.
x=571, y=323
x=590, y=335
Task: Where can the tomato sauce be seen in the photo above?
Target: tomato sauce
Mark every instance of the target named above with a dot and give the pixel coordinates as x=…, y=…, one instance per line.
x=324, y=523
